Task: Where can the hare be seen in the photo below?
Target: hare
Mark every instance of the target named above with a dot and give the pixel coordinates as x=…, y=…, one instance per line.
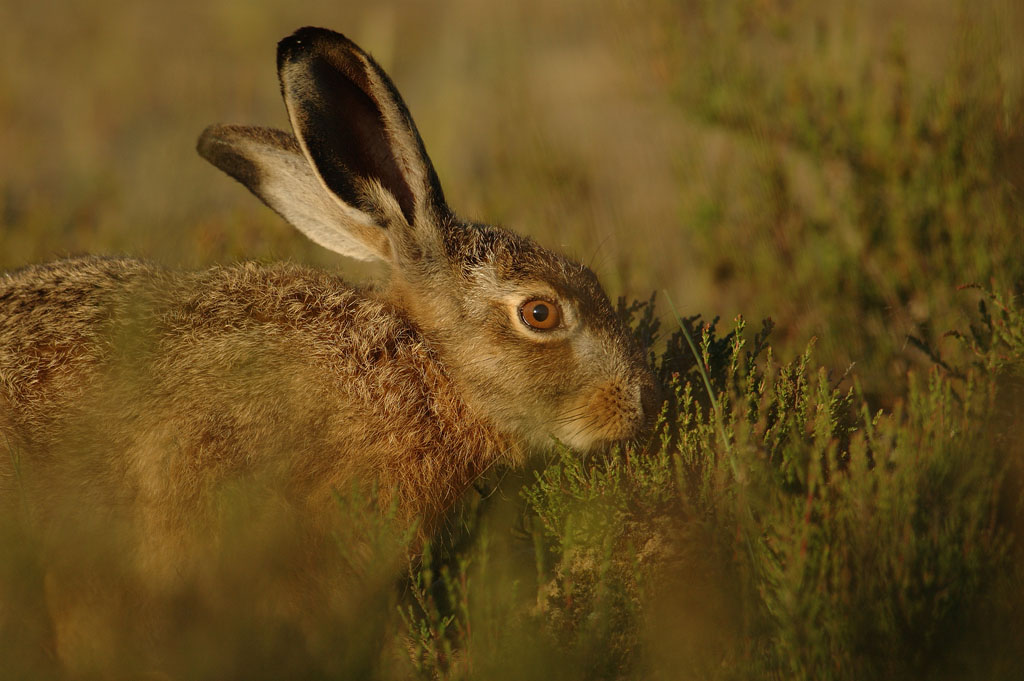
x=141, y=394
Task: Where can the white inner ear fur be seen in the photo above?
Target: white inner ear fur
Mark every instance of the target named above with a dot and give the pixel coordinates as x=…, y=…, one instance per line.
x=290, y=186
x=383, y=200
x=403, y=142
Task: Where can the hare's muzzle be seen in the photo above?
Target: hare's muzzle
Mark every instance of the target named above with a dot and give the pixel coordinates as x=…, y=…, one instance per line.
x=611, y=411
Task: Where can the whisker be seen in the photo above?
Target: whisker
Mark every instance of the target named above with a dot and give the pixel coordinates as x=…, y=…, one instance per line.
x=601, y=244
x=567, y=418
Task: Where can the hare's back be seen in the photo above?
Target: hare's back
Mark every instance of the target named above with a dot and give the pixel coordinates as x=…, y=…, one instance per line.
x=70, y=303
x=66, y=320
x=206, y=373
x=56, y=321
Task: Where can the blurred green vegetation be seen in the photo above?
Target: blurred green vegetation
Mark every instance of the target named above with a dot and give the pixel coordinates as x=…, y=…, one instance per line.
x=841, y=167
x=838, y=166
x=779, y=530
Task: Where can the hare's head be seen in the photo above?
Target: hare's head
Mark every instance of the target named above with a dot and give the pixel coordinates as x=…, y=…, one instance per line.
x=528, y=335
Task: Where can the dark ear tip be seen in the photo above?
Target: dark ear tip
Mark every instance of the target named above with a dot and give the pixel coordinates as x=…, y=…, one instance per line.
x=218, y=144
x=218, y=137
x=209, y=140
x=306, y=38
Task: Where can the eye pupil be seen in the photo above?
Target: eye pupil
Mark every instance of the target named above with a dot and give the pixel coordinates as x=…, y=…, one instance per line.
x=540, y=312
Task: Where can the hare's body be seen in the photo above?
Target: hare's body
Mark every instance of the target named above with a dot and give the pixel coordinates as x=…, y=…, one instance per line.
x=135, y=401
x=186, y=379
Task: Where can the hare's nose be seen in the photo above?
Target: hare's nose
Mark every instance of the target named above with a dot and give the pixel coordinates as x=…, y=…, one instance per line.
x=650, y=397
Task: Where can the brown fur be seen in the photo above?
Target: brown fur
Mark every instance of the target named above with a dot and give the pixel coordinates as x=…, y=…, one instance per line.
x=213, y=363
x=135, y=397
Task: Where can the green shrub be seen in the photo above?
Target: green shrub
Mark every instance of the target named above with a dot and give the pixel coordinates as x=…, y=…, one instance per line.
x=780, y=530
x=873, y=172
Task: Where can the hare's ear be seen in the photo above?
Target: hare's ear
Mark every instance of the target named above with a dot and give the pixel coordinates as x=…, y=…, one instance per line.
x=357, y=133
x=271, y=164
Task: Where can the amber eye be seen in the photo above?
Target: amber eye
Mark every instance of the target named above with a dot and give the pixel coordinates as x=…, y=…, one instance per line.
x=539, y=314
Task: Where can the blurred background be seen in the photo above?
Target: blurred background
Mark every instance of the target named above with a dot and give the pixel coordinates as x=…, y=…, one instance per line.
x=840, y=166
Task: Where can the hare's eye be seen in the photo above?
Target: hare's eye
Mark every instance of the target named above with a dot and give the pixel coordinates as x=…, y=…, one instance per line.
x=539, y=314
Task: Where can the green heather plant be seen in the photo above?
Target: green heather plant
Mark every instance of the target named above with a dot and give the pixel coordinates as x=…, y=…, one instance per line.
x=815, y=540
